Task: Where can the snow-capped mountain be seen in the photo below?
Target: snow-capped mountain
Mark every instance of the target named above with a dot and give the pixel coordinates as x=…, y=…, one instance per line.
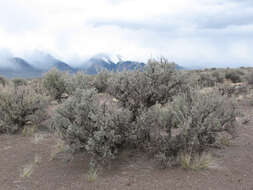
x=36, y=64
x=100, y=62
x=17, y=67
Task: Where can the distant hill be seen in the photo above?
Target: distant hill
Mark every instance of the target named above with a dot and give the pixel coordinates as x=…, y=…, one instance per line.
x=17, y=67
x=44, y=62
x=101, y=61
x=39, y=63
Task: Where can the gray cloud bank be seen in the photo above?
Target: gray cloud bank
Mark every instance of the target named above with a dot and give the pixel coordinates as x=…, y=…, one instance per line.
x=208, y=33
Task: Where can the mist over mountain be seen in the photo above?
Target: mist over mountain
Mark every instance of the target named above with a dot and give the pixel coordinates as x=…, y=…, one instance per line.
x=44, y=62
x=37, y=63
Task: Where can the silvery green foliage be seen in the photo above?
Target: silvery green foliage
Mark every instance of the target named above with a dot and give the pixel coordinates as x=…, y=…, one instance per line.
x=86, y=125
x=79, y=80
x=206, y=80
x=219, y=76
x=19, y=82
x=54, y=83
x=250, y=78
x=234, y=75
x=3, y=81
x=37, y=85
x=101, y=80
x=158, y=82
x=18, y=106
x=189, y=123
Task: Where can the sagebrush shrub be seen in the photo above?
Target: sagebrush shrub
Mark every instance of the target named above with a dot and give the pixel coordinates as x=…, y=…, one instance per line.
x=101, y=80
x=55, y=84
x=158, y=82
x=78, y=81
x=86, y=125
x=218, y=76
x=234, y=76
x=19, y=82
x=3, y=81
x=250, y=78
x=38, y=86
x=18, y=106
x=189, y=123
x=206, y=80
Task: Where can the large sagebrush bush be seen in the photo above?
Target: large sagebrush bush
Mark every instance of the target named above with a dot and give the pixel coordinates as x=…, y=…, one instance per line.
x=234, y=76
x=3, y=81
x=19, y=82
x=250, y=78
x=206, y=80
x=18, y=106
x=158, y=82
x=219, y=76
x=86, y=125
x=80, y=80
x=54, y=83
x=101, y=81
x=37, y=85
x=188, y=124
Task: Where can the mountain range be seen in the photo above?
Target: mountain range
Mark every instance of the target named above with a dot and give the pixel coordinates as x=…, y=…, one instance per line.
x=39, y=63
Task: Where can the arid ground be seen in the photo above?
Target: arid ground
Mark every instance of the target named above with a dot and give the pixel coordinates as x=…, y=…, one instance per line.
x=32, y=163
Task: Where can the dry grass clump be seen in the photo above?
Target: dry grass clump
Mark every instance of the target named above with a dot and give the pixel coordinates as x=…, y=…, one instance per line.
x=27, y=171
x=195, y=162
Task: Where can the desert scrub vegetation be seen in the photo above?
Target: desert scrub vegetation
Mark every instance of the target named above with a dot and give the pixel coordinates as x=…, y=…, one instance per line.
x=19, y=105
x=159, y=110
x=250, y=78
x=101, y=81
x=234, y=75
x=188, y=124
x=37, y=85
x=3, y=81
x=87, y=126
x=80, y=80
x=137, y=90
x=55, y=84
x=19, y=82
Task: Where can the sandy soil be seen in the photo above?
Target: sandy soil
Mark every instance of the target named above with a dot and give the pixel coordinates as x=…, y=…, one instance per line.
x=232, y=166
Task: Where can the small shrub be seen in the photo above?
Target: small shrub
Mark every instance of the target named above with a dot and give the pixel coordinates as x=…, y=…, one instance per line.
x=18, y=106
x=206, y=80
x=101, y=81
x=218, y=76
x=189, y=124
x=3, y=81
x=158, y=82
x=38, y=86
x=78, y=81
x=87, y=126
x=233, y=76
x=19, y=82
x=250, y=78
x=54, y=83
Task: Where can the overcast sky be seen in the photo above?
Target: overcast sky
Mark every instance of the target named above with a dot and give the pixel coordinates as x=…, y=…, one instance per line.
x=189, y=32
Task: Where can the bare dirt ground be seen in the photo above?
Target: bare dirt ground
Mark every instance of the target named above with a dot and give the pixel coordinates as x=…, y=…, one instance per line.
x=232, y=167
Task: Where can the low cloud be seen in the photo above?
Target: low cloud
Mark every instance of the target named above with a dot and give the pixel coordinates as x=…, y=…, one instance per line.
x=189, y=32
